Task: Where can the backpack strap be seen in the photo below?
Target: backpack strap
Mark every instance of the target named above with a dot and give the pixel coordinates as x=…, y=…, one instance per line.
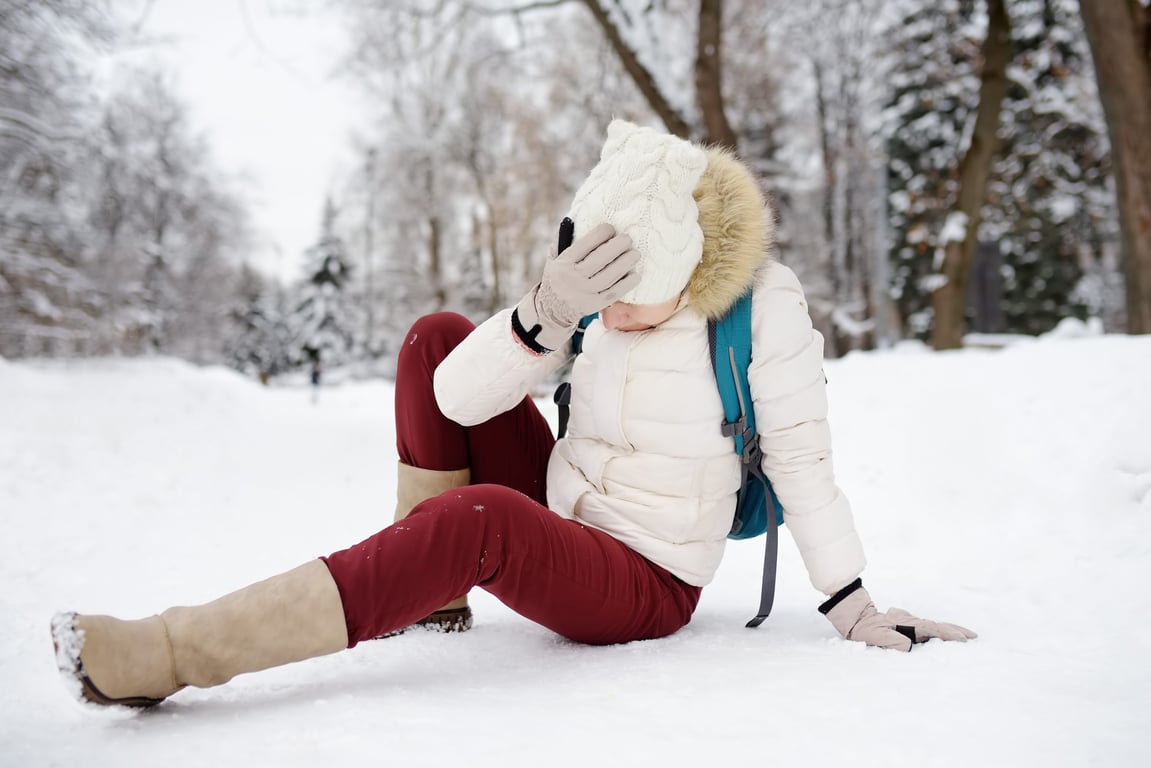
x=563, y=394
x=730, y=342
x=767, y=581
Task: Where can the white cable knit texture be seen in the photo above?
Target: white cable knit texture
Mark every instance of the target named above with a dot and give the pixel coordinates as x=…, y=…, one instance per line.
x=643, y=187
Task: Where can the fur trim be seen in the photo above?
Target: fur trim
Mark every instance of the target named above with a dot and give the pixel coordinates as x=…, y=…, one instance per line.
x=738, y=234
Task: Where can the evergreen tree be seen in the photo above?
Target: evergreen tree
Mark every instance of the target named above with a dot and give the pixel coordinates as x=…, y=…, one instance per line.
x=158, y=296
x=1046, y=204
x=933, y=90
x=260, y=345
x=324, y=323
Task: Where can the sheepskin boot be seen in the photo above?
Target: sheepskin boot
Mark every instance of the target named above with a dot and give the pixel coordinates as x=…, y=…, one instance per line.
x=290, y=617
x=414, y=485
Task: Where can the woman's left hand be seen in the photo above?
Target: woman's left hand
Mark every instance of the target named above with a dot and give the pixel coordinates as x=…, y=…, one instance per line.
x=853, y=613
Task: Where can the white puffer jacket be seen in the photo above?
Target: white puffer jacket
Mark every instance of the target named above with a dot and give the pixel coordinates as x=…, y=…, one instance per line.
x=644, y=459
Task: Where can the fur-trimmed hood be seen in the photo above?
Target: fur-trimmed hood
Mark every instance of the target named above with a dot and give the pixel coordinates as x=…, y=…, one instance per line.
x=738, y=234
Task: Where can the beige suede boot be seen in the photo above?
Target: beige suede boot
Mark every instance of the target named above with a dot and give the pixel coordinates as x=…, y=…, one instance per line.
x=414, y=485
x=290, y=617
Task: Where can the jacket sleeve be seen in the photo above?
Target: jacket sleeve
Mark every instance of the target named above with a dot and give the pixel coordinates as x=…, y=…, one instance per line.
x=490, y=372
x=788, y=388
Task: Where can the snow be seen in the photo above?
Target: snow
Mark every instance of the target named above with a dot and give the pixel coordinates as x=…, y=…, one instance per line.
x=845, y=322
x=954, y=228
x=1063, y=207
x=1006, y=490
x=933, y=282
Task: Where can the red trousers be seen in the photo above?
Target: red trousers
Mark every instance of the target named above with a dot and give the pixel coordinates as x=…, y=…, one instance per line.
x=498, y=533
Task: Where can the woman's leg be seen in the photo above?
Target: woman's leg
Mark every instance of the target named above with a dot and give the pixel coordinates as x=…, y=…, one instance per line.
x=437, y=454
x=391, y=580
x=511, y=449
x=577, y=581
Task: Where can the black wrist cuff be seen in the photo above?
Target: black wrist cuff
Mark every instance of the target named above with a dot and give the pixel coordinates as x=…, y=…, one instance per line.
x=840, y=596
x=526, y=336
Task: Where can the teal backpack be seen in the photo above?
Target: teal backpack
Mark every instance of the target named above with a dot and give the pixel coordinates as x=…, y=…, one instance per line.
x=730, y=341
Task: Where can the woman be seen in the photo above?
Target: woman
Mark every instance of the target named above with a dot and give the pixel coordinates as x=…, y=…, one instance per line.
x=606, y=536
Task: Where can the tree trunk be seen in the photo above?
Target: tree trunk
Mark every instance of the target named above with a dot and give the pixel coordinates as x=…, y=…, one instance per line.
x=829, y=178
x=494, y=257
x=974, y=170
x=1119, y=34
x=709, y=75
x=435, y=270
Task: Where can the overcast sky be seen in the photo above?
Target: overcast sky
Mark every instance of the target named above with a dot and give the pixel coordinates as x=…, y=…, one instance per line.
x=258, y=78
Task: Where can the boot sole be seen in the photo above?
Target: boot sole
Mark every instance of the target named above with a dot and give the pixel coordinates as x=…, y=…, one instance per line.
x=448, y=620
x=66, y=636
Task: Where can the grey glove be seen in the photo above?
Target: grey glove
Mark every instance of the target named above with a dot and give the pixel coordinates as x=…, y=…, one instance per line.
x=582, y=279
x=852, y=612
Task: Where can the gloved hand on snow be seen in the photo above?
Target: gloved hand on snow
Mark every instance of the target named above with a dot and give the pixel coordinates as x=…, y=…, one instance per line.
x=579, y=280
x=852, y=612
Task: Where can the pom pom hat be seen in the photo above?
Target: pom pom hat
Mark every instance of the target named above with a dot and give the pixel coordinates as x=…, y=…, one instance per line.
x=695, y=214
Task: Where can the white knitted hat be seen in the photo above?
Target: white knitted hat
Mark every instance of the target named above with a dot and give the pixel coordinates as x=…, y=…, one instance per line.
x=643, y=187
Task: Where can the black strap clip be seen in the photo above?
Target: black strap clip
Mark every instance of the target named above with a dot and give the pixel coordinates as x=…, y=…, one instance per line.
x=563, y=398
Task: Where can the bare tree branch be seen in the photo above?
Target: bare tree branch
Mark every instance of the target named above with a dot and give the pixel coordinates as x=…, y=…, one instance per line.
x=672, y=120
x=516, y=9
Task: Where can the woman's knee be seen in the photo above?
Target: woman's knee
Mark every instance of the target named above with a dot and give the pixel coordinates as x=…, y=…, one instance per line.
x=487, y=506
x=429, y=341
x=439, y=328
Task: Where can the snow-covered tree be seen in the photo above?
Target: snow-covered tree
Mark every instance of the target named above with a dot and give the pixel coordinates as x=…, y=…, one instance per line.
x=165, y=232
x=933, y=86
x=1048, y=205
x=469, y=180
x=116, y=234
x=259, y=344
x=1044, y=207
x=834, y=44
x=324, y=323
x=46, y=300
x=492, y=119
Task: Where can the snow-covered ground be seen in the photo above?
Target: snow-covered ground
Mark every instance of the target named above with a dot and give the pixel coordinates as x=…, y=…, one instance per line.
x=1006, y=490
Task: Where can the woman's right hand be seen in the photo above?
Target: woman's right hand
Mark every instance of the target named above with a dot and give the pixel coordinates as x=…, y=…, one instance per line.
x=852, y=612
x=583, y=279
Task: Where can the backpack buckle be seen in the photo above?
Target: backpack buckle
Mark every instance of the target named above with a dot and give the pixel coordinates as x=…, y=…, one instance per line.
x=752, y=454
x=733, y=428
